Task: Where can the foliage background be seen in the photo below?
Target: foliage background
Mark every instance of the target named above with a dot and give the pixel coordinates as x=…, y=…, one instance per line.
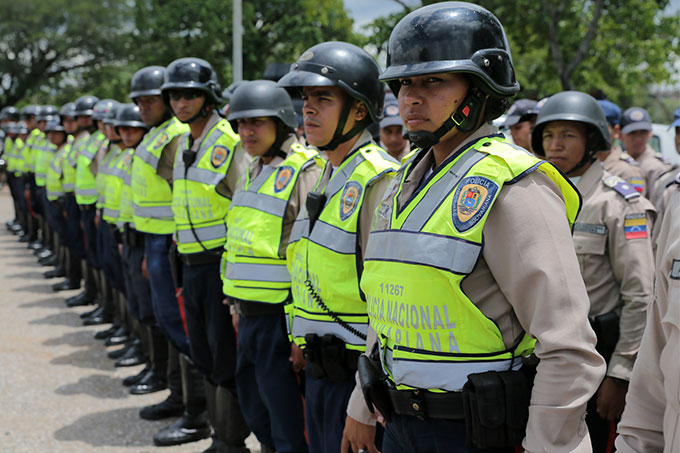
x=52, y=52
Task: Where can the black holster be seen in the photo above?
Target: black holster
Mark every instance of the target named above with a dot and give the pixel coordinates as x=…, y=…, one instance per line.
x=374, y=386
x=496, y=407
x=606, y=327
x=328, y=357
x=175, y=265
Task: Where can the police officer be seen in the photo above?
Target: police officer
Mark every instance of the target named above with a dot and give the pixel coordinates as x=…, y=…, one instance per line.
x=667, y=182
x=392, y=132
x=8, y=117
x=21, y=174
x=256, y=279
x=82, y=114
x=153, y=162
x=519, y=120
x=207, y=167
x=612, y=239
x=35, y=135
x=651, y=419
x=636, y=130
x=342, y=97
x=614, y=161
x=460, y=283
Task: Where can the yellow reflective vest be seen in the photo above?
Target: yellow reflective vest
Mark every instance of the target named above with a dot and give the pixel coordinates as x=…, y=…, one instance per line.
x=53, y=181
x=252, y=268
x=117, y=168
x=71, y=161
x=431, y=335
x=103, y=173
x=200, y=212
x=42, y=152
x=86, y=186
x=33, y=139
x=323, y=261
x=152, y=194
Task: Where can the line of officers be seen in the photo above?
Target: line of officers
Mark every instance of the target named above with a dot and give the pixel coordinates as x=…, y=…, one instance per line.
x=466, y=296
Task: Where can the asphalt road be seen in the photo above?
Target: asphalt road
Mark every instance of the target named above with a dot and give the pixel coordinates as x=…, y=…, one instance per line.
x=58, y=390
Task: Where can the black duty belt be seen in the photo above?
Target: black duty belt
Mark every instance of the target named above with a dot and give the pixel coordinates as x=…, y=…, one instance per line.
x=132, y=237
x=87, y=207
x=246, y=309
x=205, y=257
x=424, y=404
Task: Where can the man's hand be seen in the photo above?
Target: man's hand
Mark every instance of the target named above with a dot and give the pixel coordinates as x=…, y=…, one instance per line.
x=297, y=358
x=611, y=399
x=234, y=322
x=145, y=270
x=97, y=218
x=358, y=436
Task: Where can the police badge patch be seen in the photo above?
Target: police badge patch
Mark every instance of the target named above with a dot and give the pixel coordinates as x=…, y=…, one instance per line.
x=283, y=177
x=219, y=156
x=472, y=199
x=349, y=200
x=161, y=142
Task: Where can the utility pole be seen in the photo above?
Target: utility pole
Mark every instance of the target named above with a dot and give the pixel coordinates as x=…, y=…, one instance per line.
x=237, y=35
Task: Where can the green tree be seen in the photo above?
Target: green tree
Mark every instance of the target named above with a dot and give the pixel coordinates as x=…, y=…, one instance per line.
x=44, y=43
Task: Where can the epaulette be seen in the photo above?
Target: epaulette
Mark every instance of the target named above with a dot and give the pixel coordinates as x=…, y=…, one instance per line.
x=676, y=180
x=628, y=158
x=621, y=187
x=662, y=158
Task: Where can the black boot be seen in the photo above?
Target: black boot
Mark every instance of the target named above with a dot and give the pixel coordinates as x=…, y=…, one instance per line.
x=88, y=314
x=120, y=336
x=58, y=271
x=86, y=297
x=98, y=318
x=230, y=429
x=65, y=285
x=193, y=425
x=150, y=383
x=157, y=378
x=135, y=378
x=106, y=333
x=132, y=357
x=118, y=353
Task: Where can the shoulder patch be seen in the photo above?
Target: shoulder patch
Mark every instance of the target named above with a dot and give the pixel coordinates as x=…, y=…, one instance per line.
x=219, y=156
x=629, y=160
x=675, y=270
x=162, y=141
x=638, y=184
x=626, y=190
x=349, y=200
x=635, y=226
x=283, y=177
x=471, y=200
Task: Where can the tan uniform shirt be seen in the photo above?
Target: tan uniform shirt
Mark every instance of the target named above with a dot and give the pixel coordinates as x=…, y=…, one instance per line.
x=167, y=160
x=528, y=280
x=618, y=269
x=651, y=419
x=625, y=167
x=653, y=167
x=663, y=199
x=305, y=183
x=662, y=183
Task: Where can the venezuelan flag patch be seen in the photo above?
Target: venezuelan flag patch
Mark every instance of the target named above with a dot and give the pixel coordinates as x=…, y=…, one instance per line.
x=638, y=184
x=635, y=226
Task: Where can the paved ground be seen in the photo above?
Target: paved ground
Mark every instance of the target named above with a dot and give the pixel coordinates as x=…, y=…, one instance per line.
x=58, y=391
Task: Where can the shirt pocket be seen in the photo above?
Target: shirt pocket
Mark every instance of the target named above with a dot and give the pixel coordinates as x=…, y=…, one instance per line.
x=591, y=243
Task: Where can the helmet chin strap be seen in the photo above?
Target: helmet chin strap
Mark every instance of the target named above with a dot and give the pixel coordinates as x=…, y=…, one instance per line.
x=588, y=158
x=466, y=118
x=338, y=137
x=203, y=113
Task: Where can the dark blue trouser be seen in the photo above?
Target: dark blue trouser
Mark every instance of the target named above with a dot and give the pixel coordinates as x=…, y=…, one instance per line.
x=14, y=191
x=163, y=297
x=20, y=189
x=266, y=384
x=57, y=220
x=325, y=412
x=138, y=293
x=406, y=434
x=90, y=229
x=109, y=257
x=74, y=233
x=211, y=335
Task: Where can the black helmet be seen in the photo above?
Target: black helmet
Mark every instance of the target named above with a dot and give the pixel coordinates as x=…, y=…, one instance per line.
x=573, y=106
x=128, y=115
x=452, y=37
x=47, y=112
x=147, y=82
x=261, y=98
x=103, y=108
x=21, y=127
x=9, y=113
x=85, y=105
x=30, y=110
x=229, y=91
x=54, y=126
x=342, y=64
x=68, y=110
x=345, y=65
x=193, y=73
x=109, y=117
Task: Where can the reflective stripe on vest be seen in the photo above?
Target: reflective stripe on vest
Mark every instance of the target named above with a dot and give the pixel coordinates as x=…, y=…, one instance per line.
x=86, y=186
x=325, y=257
x=431, y=335
x=264, y=272
x=156, y=212
x=204, y=234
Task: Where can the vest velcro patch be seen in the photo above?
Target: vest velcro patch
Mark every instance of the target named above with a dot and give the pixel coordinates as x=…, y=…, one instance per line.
x=675, y=270
x=590, y=228
x=349, y=200
x=219, y=156
x=283, y=177
x=471, y=201
x=635, y=226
